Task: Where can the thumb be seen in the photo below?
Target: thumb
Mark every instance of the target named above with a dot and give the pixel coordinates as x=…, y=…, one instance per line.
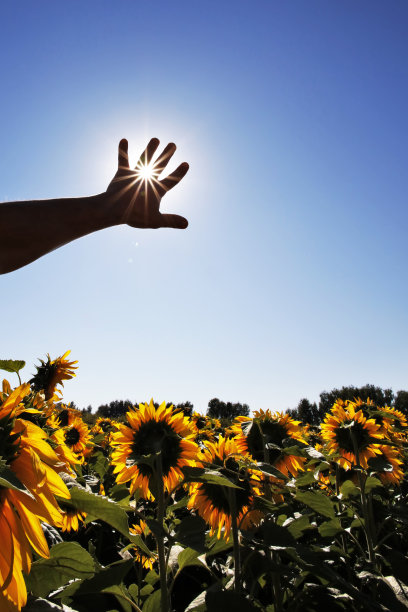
x=175, y=221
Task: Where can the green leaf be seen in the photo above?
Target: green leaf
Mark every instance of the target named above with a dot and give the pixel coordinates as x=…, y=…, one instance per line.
x=9, y=480
x=349, y=489
x=371, y=483
x=188, y=556
x=216, y=546
x=305, y=479
x=276, y=536
x=298, y=526
x=266, y=468
x=100, y=507
x=68, y=560
x=379, y=464
x=12, y=365
x=153, y=602
x=207, y=476
x=108, y=576
x=329, y=529
x=319, y=502
x=191, y=533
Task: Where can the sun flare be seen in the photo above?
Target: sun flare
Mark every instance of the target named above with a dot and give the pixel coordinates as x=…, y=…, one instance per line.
x=146, y=172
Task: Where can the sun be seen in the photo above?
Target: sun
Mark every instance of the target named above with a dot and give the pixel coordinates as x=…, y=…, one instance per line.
x=146, y=172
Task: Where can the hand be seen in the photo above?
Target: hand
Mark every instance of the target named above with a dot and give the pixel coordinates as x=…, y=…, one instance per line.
x=136, y=197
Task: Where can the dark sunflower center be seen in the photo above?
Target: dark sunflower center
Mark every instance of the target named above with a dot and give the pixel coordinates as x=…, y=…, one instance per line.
x=155, y=437
x=200, y=423
x=105, y=426
x=63, y=418
x=72, y=437
x=345, y=435
x=272, y=433
x=219, y=496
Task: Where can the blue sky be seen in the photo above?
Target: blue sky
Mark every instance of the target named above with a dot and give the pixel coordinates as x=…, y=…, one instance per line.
x=291, y=276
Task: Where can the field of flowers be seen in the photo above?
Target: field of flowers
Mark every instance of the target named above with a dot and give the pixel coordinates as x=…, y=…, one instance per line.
x=168, y=512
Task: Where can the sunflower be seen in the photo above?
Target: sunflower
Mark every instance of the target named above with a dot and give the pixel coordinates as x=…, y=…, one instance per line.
x=51, y=373
x=31, y=463
x=265, y=437
x=151, y=431
x=349, y=434
x=71, y=518
x=77, y=436
x=213, y=502
x=141, y=556
x=394, y=473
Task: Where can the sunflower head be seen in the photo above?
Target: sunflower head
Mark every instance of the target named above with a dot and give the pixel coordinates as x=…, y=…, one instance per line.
x=51, y=373
x=141, y=529
x=267, y=435
x=152, y=433
x=76, y=436
x=214, y=502
x=350, y=435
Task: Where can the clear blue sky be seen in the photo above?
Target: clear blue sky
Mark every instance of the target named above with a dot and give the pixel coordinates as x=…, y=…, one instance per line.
x=291, y=277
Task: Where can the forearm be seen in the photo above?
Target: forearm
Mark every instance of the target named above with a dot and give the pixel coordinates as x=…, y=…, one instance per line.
x=31, y=229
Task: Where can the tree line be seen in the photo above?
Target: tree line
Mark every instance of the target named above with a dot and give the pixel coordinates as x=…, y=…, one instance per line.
x=309, y=413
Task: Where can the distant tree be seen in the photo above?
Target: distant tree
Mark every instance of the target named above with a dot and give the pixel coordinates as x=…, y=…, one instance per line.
x=226, y=411
x=115, y=409
x=401, y=402
x=381, y=397
x=186, y=407
x=307, y=412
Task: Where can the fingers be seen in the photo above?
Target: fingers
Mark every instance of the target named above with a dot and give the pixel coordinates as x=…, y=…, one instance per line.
x=123, y=158
x=163, y=159
x=175, y=177
x=175, y=221
x=148, y=153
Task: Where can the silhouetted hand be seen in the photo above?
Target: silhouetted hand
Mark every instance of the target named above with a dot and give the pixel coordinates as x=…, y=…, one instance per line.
x=137, y=196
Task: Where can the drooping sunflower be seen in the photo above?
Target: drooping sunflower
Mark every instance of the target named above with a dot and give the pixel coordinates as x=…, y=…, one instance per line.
x=29, y=464
x=147, y=561
x=213, y=502
x=51, y=373
x=349, y=434
x=151, y=431
x=265, y=436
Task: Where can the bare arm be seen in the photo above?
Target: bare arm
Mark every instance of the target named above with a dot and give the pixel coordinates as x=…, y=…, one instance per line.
x=31, y=229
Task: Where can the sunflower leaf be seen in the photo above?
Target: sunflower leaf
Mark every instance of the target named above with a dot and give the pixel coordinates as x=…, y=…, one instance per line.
x=108, y=576
x=101, y=508
x=379, y=464
x=207, y=476
x=12, y=365
x=189, y=556
x=317, y=501
x=68, y=560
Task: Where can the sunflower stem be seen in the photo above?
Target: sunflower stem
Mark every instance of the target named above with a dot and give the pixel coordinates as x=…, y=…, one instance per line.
x=164, y=599
x=341, y=508
x=363, y=497
x=235, y=538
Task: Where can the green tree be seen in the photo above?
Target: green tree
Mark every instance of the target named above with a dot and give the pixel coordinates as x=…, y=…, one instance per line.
x=401, y=402
x=381, y=397
x=226, y=411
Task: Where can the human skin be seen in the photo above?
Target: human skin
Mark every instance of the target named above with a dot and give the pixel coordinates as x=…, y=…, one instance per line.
x=30, y=229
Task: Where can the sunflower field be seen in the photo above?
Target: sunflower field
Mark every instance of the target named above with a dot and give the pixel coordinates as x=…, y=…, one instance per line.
x=167, y=512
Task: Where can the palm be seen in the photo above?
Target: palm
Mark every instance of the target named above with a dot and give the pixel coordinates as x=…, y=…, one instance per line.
x=139, y=196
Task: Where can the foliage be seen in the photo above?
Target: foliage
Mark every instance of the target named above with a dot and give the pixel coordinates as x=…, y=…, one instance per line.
x=174, y=511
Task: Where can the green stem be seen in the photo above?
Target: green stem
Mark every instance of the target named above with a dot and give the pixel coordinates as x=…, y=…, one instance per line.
x=164, y=599
x=367, y=522
x=235, y=537
x=341, y=508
